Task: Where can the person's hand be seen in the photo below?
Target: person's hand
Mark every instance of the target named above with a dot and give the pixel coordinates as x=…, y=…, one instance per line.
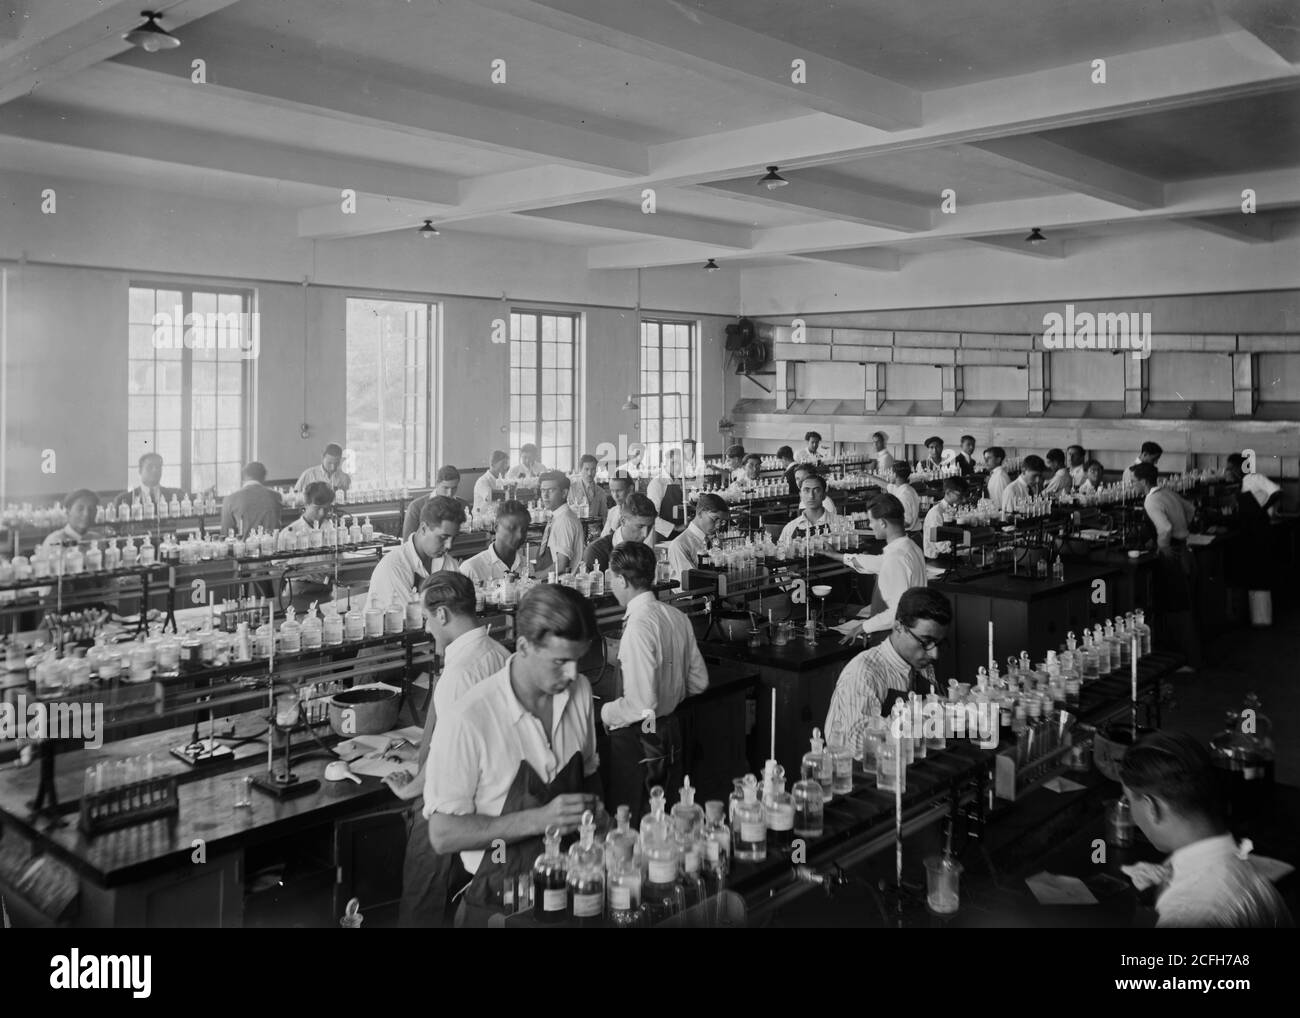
x=1147, y=874
x=565, y=811
x=403, y=785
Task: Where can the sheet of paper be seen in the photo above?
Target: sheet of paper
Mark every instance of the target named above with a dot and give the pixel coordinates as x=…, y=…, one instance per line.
x=1054, y=889
x=1062, y=785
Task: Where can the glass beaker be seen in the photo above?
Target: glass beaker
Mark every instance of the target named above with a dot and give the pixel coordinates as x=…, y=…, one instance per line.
x=942, y=884
x=780, y=633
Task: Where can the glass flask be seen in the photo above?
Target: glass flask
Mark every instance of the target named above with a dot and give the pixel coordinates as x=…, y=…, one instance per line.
x=1143, y=631
x=550, y=881
x=749, y=835
x=586, y=876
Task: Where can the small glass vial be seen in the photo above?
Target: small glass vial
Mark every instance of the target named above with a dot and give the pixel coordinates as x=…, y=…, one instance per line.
x=750, y=831
x=550, y=881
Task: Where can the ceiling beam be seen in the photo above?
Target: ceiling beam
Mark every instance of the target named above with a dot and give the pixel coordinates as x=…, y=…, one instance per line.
x=165, y=143
x=58, y=39
x=844, y=204
x=1248, y=229
x=876, y=259
x=1051, y=247
x=607, y=215
x=689, y=38
x=1276, y=23
x=1063, y=167
x=355, y=97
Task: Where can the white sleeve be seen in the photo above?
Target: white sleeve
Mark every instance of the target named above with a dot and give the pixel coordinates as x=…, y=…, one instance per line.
x=384, y=584
x=864, y=563
x=678, y=559
x=655, y=492
x=638, y=658
x=452, y=770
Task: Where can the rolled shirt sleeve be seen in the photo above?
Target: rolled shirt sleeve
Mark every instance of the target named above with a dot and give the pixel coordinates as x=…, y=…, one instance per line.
x=639, y=659
x=452, y=770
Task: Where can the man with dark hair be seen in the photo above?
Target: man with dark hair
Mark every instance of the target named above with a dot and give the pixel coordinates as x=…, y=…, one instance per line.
x=636, y=525
x=813, y=516
x=428, y=550
x=785, y=456
x=1092, y=475
x=584, y=491
x=998, y=479
x=81, y=506
x=328, y=471
x=907, y=497
x=469, y=656
x=953, y=492
x=252, y=506
x=684, y=550
x=809, y=454
x=490, y=481
x=1059, y=481
x=1149, y=453
x=502, y=555
x=317, y=498
x=1175, y=574
x=898, y=569
x=665, y=490
x=1207, y=881
x=622, y=487
x=1078, y=464
x=1026, y=485
x=734, y=469
x=934, y=447
x=150, y=486
x=901, y=664
x=883, y=460
x=661, y=666
x=1266, y=493
x=517, y=753
x=562, y=540
x=529, y=468
x=965, y=459
x=446, y=483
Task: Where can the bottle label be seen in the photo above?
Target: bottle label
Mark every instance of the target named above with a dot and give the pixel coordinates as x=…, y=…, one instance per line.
x=663, y=872
x=714, y=850
x=555, y=901
x=753, y=831
x=691, y=862
x=780, y=818
x=620, y=898
x=586, y=905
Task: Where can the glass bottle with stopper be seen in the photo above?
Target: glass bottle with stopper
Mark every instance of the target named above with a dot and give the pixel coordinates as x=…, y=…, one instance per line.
x=550, y=880
x=623, y=865
x=778, y=807
x=750, y=831
x=661, y=893
x=586, y=875
x=717, y=849
x=821, y=763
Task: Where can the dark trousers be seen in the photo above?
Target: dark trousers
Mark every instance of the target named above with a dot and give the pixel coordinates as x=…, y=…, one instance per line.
x=429, y=881
x=1175, y=597
x=638, y=760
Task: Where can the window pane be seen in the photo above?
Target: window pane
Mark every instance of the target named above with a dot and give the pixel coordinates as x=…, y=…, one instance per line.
x=564, y=329
x=566, y=355
x=529, y=382
x=169, y=447
x=549, y=355
x=168, y=410
x=205, y=303
x=204, y=409
x=203, y=377
x=528, y=329
x=140, y=341
x=138, y=443
x=548, y=432
x=230, y=379
x=228, y=444
x=230, y=303
x=564, y=383
x=527, y=408
x=140, y=377
x=140, y=304
x=140, y=413
x=528, y=355
x=170, y=378
x=203, y=446
x=548, y=408
x=548, y=329
x=204, y=476
x=564, y=408
x=228, y=411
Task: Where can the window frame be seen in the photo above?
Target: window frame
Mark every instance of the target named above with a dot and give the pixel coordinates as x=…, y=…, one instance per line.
x=519, y=430
x=685, y=415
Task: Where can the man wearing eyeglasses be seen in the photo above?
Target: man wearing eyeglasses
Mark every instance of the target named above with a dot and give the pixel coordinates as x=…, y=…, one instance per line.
x=899, y=665
x=684, y=551
x=898, y=569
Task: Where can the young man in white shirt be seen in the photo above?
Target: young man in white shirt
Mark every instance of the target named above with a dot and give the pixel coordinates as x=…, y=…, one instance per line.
x=400, y=572
x=446, y=483
x=82, y=507
x=327, y=471
x=883, y=460
x=809, y=454
x=317, y=497
x=1077, y=464
x=901, y=664
x=1149, y=453
x=965, y=459
x=529, y=468
x=562, y=541
x=665, y=490
x=902, y=490
x=584, y=491
x=661, y=665
x=753, y=464
x=998, y=479
x=813, y=516
x=503, y=555
x=1059, y=481
x=711, y=511
x=1175, y=571
x=1266, y=492
x=636, y=525
x=734, y=470
x=490, y=482
x=1092, y=475
x=898, y=569
x=953, y=492
x=1026, y=485
x=517, y=753
x=1207, y=881
x=469, y=656
x=934, y=450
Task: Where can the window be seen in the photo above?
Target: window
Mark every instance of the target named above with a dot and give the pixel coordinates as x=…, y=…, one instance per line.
x=667, y=368
x=388, y=381
x=543, y=404
x=190, y=359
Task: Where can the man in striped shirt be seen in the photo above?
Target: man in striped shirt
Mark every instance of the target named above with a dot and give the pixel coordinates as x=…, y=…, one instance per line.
x=901, y=664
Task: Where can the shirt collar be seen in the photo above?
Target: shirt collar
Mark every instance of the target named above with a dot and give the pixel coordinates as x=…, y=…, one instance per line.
x=696, y=533
x=894, y=542
x=515, y=708
x=639, y=603
x=891, y=657
x=1200, y=855
x=464, y=644
x=413, y=557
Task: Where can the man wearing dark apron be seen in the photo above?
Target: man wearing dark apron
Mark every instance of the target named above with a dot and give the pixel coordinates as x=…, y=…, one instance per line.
x=660, y=665
x=516, y=754
x=1175, y=569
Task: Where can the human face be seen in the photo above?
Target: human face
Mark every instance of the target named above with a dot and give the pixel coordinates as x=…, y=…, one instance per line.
x=1094, y=475
x=588, y=472
x=813, y=443
x=952, y=497
x=1150, y=816
x=527, y=457
x=733, y=462
x=551, y=666
x=968, y=447
x=800, y=476
x=151, y=472
x=878, y=528
x=751, y=470
x=316, y=513
x=432, y=542
x=919, y=643
x=811, y=494
x=635, y=529
x=330, y=463
x=511, y=533
x=447, y=488
x=709, y=520
x=936, y=451
x=879, y=443
x=553, y=494
x=1075, y=455
x=81, y=514
x=991, y=461
x=621, y=490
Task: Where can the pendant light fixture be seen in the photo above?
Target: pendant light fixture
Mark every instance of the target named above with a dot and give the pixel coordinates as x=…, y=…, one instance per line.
x=711, y=266
x=631, y=404
x=1035, y=237
x=151, y=36
x=773, y=180
x=428, y=230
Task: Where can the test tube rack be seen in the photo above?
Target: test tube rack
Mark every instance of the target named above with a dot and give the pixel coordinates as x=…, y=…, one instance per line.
x=254, y=615
x=126, y=805
x=1014, y=778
